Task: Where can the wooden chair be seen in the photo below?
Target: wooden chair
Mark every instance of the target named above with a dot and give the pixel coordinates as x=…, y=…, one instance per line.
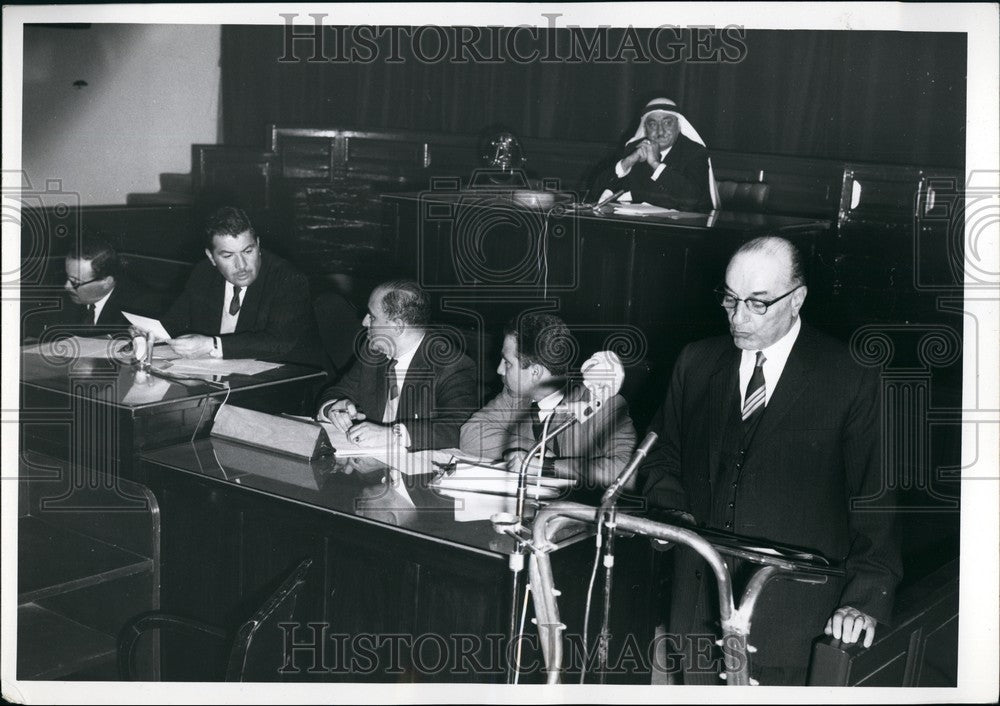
x=256, y=653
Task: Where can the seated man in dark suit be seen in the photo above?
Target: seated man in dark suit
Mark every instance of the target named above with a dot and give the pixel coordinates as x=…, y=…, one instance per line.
x=534, y=367
x=664, y=164
x=243, y=302
x=406, y=392
x=772, y=432
x=98, y=289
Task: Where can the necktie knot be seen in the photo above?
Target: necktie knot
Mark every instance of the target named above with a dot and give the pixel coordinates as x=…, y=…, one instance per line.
x=234, y=304
x=761, y=359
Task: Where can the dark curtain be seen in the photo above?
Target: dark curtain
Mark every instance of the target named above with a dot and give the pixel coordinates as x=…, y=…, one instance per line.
x=892, y=97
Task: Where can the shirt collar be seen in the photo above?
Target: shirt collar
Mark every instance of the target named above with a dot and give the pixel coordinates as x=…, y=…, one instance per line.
x=403, y=360
x=550, y=402
x=99, y=304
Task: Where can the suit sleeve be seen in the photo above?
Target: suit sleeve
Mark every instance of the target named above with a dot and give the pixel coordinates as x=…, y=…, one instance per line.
x=349, y=387
x=289, y=317
x=177, y=320
x=663, y=487
x=492, y=430
x=454, y=399
x=614, y=437
x=683, y=183
x=873, y=563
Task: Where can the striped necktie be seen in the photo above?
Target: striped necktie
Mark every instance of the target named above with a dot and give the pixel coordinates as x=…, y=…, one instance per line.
x=234, y=304
x=753, y=403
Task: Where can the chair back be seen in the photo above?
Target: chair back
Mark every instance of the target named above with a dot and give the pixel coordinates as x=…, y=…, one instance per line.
x=258, y=646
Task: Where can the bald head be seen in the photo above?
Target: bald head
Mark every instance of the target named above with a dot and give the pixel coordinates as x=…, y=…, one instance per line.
x=769, y=270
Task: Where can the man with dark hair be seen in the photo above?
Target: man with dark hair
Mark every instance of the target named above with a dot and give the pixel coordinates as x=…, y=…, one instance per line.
x=538, y=350
x=417, y=388
x=771, y=433
x=243, y=302
x=97, y=289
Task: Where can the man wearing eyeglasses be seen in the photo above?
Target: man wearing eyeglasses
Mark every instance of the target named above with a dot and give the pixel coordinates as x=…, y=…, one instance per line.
x=96, y=290
x=770, y=433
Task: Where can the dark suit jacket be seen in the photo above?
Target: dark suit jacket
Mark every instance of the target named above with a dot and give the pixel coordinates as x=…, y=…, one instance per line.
x=600, y=447
x=817, y=448
x=683, y=184
x=438, y=393
x=73, y=318
x=276, y=319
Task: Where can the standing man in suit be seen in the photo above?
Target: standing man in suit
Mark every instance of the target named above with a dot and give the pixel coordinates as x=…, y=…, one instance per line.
x=243, y=302
x=665, y=163
x=414, y=389
x=772, y=432
x=534, y=367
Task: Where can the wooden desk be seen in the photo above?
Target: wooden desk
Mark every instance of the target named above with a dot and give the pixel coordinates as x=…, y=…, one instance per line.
x=400, y=589
x=98, y=413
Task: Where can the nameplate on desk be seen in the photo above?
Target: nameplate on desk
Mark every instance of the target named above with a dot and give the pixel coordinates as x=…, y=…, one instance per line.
x=267, y=431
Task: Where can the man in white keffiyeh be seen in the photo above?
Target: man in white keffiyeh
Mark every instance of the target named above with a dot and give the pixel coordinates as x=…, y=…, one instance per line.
x=665, y=163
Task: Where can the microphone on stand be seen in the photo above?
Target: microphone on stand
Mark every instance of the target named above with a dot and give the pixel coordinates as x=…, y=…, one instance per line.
x=603, y=376
x=614, y=490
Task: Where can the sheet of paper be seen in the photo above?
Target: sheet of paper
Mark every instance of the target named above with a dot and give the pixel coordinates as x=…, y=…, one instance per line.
x=471, y=506
x=491, y=480
x=641, y=209
x=79, y=347
x=218, y=366
x=147, y=324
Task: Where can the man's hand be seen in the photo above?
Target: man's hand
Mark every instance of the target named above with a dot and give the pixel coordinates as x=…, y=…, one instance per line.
x=515, y=458
x=192, y=345
x=847, y=623
x=342, y=414
x=371, y=434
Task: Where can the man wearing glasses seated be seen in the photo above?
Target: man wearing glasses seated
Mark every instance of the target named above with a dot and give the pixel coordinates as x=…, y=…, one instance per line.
x=96, y=290
x=771, y=433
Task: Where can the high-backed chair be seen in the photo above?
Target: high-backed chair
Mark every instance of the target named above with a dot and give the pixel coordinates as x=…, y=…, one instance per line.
x=257, y=645
x=339, y=327
x=746, y=196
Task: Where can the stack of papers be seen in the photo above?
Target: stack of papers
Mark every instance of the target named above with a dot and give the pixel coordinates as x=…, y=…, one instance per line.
x=641, y=209
x=484, y=479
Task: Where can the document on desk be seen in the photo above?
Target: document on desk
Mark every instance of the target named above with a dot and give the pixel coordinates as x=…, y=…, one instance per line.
x=641, y=209
x=147, y=324
x=77, y=347
x=218, y=366
x=484, y=479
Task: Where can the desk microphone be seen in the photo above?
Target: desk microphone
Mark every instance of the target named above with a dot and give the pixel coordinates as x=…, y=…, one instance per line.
x=609, y=199
x=615, y=489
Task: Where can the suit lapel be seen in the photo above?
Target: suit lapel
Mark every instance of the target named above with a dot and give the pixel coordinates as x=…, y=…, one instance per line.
x=794, y=380
x=722, y=395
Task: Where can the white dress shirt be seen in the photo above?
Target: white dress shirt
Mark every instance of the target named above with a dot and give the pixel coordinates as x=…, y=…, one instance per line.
x=99, y=305
x=775, y=355
x=402, y=365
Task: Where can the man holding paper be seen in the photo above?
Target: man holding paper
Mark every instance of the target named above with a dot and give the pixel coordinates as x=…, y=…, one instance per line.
x=243, y=302
x=413, y=388
x=534, y=366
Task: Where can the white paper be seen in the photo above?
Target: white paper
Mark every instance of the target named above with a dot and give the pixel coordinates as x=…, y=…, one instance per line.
x=641, y=209
x=491, y=480
x=471, y=506
x=218, y=366
x=147, y=324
